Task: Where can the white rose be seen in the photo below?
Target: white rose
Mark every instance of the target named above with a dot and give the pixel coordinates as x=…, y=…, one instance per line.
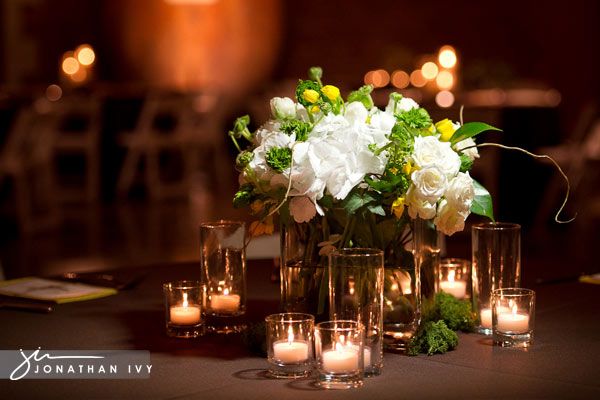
x=472, y=153
x=430, y=183
x=449, y=220
x=283, y=107
x=356, y=112
x=418, y=207
x=460, y=192
x=405, y=104
x=302, y=209
x=429, y=151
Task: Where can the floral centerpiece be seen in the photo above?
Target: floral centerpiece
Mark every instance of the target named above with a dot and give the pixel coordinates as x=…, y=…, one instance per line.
x=322, y=156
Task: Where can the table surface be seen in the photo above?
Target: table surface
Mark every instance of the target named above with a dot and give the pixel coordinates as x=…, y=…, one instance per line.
x=564, y=361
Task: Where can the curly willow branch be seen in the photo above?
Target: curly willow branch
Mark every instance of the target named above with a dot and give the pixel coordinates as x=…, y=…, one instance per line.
x=564, y=203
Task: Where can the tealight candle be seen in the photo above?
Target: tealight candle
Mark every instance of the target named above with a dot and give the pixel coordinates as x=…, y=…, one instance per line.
x=343, y=358
x=226, y=302
x=290, y=350
x=185, y=314
x=457, y=289
x=486, y=316
x=513, y=322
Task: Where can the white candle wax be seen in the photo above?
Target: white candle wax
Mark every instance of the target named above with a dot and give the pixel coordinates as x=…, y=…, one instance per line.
x=513, y=322
x=344, y=359
x=486, y=316
x=290, y=352
x=457, y=289
x=229, y=303
x=184, y=315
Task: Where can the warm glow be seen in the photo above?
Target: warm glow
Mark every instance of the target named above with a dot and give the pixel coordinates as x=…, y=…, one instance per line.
x=53, y=92
x=447, y=57
x=290, y=335
x=226, y=292
x=85, y=54
x=445, y=80
x=369, y=78
x=185, y=300
x=70, y=65
x=417, y=79
x=445, y=99
x=379, y=78
x=400, y=79
x=451, y=274
x=80, y=76
x=429, y=70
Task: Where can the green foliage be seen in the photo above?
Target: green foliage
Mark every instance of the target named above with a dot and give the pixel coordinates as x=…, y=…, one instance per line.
x=243, y=159
x=465, y=163
x=279, y=158
x=402, y=136
x=302, y=86
x=431, y=338
x=315, y=74
x=240, y=129
x=244, y=196
x=482, y=203
x=300, y=128
x=471, y=129
x=363, y=95
x=417, y=118
x=255, y=338
x=457, y=314
x=357, y=199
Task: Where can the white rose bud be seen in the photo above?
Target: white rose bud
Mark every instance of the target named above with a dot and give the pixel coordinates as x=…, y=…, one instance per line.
x=460, y=192
x=472, y=153
x=449, y=220
x=283, y=107
x=418, y=207
x=430, y=183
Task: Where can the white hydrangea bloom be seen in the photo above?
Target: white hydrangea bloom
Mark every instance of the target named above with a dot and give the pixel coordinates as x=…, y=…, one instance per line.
x=405, y=104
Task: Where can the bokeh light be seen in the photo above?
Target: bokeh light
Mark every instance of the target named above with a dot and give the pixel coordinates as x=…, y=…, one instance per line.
x=400, y=79
x=85, y=54
x=53, y=92
x=380, y=78
x=429, y=70
x=444, y=99
x=447, y=57
x=445, y=80
x=70, y=65
x=80, y=76
x=417, y=79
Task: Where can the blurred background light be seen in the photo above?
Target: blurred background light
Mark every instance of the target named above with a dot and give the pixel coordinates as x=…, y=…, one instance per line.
x=429, y=70
x=447, y=57
x=85, y=54
x=445, y=80
x=417, y=79
x=70, y=65
x=444, y=99
x=53, y=92
x=400, y=79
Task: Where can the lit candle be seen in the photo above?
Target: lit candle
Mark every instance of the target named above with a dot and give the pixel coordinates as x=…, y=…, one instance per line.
x=486, y=316
x=513, y=322
x=343, y=358
x=225, y=302
x=185, y=314
x=457, y=289
x=290, y=351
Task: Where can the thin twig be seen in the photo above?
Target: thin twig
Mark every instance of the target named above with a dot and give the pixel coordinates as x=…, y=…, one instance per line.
x=564, y=203
x=461, y=114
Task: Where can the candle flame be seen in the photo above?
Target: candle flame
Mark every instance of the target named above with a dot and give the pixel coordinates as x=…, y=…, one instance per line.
x=185, y=301
x=451, y=274
x=290, y=335
x=226, y=292
x=514, y=309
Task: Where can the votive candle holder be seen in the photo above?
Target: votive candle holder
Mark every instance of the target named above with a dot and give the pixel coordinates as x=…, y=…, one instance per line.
x=290, y=344
x=513, y=317
x=183, y=308
x=454, y=277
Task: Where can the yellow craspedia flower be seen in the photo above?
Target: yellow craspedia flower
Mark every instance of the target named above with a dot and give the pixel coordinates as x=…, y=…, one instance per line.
x=314, y=109
x=331, y=92
x=398, y=207
x=445, y=128
x=311, y=96
x=407, y=168
x=394, y=170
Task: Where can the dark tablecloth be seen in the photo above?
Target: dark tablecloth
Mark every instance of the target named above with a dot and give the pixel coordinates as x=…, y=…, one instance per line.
x=564, y=361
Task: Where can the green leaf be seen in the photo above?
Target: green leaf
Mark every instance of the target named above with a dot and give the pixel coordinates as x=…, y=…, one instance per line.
x=482, y=203
x=356, y=200
x=471, y=129
x=376, y=209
